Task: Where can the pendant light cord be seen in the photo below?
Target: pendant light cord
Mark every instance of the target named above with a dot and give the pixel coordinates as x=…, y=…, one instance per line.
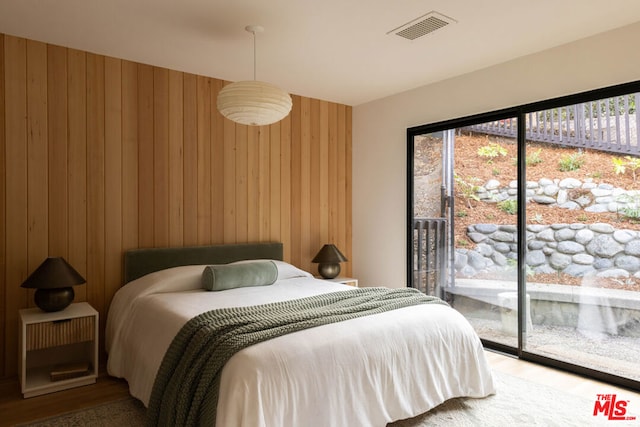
x=254, y=55
x=253, y=29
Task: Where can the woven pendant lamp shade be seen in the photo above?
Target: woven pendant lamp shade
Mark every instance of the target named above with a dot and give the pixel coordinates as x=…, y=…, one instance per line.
x=253, y=103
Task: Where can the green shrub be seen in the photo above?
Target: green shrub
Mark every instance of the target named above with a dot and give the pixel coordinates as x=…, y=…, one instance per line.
x=571, y=162
x=531, y=160
x=491, y=151
x=620, y=165
x=508, y=206
x=467, y=189
x=534, y=158
x=462, y=243
x=538, y=218
x=632, y=208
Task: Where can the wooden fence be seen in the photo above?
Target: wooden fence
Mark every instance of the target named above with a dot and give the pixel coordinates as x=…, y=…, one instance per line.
x=611, y=124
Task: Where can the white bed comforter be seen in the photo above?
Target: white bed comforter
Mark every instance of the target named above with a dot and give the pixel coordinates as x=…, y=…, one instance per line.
x=362, y=372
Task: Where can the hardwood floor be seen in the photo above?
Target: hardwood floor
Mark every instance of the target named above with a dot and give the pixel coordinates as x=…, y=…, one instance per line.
x=15, y=409
x=561, y=380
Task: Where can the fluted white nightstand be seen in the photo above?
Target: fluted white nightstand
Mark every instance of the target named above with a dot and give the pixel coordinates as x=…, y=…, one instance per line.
x=58, y=350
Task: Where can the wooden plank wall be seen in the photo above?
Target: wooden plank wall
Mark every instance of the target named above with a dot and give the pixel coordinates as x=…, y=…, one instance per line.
x=99, y=155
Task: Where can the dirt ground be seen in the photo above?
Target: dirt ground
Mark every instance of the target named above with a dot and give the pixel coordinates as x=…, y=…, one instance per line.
x=597, y=165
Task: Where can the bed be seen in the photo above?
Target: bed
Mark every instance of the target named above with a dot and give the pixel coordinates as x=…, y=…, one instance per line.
x=365, y=371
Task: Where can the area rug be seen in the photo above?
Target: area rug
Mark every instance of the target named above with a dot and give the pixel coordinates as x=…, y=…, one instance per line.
x=517, y=403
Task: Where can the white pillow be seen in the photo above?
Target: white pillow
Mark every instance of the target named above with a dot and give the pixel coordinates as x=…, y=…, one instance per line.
x=285, y=270
x=288, y=271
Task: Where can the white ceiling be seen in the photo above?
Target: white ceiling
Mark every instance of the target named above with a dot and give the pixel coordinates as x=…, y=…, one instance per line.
x=337, y=50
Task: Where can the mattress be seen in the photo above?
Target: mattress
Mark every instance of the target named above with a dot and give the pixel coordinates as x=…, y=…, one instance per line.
x=367, y=371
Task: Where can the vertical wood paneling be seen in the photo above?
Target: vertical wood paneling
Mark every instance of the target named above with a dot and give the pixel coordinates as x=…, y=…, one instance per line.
x=348, y=190
x=242, y=191
x=203, y=96
x=37, y=155
x=100, y=155
x=217, y=166
x=314, y=177
x=146, y=218
x=77, y=165
x=58, y=153
x=161, y=156
x=190, y=160
x=264, y=188
x=176, y=165
x=305, y=184
x=253, y=184
x=295, y=182
x=285, y=187
x=3, y=207
x=129, y=155
x=95, y=183
x=113, y=201
x=229, y=190
x=275, y=182
x=15, y=83
x=323, y=159
x=334, y=206
x=342, y=170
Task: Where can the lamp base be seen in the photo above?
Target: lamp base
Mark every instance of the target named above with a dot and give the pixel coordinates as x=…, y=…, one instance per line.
x=329, y=271
x=55, y=299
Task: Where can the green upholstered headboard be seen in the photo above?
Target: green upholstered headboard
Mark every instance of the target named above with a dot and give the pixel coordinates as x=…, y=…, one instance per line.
x=138, y=262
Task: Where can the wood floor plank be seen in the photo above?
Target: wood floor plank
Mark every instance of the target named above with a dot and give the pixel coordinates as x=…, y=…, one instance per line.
x=565, y=381
x=15, y=409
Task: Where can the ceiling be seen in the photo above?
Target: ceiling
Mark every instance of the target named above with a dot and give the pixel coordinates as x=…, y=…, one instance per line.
x=337, y=50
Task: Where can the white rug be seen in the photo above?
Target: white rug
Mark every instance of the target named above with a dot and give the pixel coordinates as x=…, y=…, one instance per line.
x=517, y=403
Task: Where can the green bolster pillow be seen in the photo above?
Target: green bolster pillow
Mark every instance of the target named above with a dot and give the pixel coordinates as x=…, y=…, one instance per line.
x=239, y=275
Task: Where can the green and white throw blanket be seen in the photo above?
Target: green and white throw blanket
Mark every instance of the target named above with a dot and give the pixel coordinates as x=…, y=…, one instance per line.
x=185, y=392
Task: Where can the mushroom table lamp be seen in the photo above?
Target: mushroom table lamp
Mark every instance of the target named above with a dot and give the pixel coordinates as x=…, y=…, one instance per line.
x=329, y=259
x=53, y=281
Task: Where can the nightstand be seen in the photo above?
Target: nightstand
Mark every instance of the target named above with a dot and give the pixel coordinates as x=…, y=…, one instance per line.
x=345, y=281
x=58, y=350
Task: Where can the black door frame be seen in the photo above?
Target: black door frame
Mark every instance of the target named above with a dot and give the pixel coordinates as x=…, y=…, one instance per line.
x=519, y=112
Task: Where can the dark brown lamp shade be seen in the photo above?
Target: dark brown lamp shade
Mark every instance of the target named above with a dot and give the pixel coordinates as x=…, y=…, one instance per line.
x=53, y=281
x=329, y=259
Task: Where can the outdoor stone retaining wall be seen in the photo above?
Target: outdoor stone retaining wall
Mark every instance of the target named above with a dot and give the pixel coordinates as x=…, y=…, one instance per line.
x=568, y=193
x=574, y=249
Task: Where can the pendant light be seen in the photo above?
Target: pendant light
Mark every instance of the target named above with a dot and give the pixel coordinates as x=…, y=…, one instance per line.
x=253, y=102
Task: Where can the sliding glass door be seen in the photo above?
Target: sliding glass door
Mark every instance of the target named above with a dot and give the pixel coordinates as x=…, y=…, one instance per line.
x=527, y=222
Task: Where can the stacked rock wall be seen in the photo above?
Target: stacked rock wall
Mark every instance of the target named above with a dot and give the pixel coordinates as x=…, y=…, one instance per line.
x=574, y=249
x=568, y=193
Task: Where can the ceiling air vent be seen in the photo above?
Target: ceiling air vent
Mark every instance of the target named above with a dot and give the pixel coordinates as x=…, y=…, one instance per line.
x=426, y=24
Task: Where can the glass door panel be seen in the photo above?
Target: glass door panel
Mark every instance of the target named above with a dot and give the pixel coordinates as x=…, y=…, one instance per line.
x=464, y=224
x=484, y=217
x=583, y=238
x=429, y=225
